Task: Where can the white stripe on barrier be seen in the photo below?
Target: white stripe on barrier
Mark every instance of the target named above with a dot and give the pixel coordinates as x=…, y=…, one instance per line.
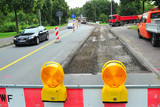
x=92, y=98
x=52, y=104
x=137, y=97
x=15, y=96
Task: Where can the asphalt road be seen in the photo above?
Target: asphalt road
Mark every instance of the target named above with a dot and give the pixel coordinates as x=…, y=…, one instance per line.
x=22, y=65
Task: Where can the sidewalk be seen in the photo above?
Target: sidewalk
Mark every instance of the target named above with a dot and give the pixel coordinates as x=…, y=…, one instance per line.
x=142, y=48
x=9, y=41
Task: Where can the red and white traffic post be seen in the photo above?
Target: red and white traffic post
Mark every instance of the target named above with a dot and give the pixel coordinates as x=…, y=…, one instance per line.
x=57, y=35
x=73, y=27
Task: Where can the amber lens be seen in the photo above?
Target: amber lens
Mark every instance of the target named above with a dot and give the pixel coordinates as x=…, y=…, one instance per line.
x=51, y=76
x=114, y=75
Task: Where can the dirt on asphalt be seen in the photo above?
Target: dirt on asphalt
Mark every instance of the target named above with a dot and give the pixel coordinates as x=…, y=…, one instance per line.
x=100, y=47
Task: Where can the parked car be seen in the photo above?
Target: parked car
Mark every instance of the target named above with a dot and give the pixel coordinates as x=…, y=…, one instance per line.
x=70, y=25
x=31, y=35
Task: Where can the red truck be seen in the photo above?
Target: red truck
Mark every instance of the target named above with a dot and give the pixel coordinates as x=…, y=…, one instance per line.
x=121, y=20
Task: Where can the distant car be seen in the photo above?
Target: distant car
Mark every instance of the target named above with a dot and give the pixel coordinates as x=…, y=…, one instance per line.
x=70, y=25
x=31, y=35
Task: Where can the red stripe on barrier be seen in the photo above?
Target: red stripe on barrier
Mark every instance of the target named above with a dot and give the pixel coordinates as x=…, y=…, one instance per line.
x=75, y=98
x=114, y=105
x=56, y=28
x=3, y=98
x=153, y=97
x=57, y=38
x=33, y=97
x=57, y=33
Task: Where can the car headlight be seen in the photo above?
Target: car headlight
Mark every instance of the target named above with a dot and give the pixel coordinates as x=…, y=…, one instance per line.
x=15, y=38
x=31, y=37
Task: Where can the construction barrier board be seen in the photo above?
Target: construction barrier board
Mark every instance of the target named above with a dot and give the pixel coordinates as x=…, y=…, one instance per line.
x=77, y=97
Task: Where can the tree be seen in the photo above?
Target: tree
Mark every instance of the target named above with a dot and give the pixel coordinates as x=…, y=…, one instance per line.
x=104, y=18
x=94, y=8
x=16, y=5
x=60, y=5
x=46, y=12
x=157, y=3
x=76, y=11
x=129, y=7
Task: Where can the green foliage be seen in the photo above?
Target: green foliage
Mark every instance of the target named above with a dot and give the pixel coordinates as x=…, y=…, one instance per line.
x=24, y=26
x=16, y=5
x=103, y=18
x=157, y=3
x=148, y=5
x=133, y=7
x=8, y=34
x=8, y=27
x=60, y=5
x=46, y=12
x=134, y=27
x=94, y=8
x=76, y=11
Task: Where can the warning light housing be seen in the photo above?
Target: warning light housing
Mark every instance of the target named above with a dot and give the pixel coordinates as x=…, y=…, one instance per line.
x=114, y=76
x=52, y=76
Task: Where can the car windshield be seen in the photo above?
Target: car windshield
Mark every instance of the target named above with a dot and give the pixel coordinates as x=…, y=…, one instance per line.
x=155, y=15
x=32, y=30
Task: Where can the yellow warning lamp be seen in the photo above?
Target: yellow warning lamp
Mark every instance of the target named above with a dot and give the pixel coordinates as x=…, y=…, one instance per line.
x=52, y=76
x=114, y=76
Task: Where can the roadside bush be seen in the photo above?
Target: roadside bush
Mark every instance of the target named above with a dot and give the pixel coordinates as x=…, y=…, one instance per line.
x=104, y=18
x=100, y=22
x=24, y=26
x=8, y=27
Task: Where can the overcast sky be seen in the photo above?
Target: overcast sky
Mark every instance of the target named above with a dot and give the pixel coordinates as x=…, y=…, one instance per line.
x=79, y=3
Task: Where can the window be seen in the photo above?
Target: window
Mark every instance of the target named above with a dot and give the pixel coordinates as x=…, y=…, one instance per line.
x=155, y=15
x=145, y=18
x=110, y=17
x=114, y=17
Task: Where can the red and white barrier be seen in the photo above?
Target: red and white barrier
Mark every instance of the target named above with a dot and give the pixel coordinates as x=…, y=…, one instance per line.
x=73, y=27
x=78, y=97
x=57, y=34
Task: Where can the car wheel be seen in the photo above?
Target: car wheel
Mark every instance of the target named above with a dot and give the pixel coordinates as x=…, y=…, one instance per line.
x=154, y=40
x=37, y=41
x=47, y=37
x=139, y=35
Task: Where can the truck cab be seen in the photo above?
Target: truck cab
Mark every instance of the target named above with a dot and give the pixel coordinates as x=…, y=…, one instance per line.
x=114, y=20
x=146, y=19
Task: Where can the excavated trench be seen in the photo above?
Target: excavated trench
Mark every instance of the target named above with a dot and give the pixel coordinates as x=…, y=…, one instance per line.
x=100, y=47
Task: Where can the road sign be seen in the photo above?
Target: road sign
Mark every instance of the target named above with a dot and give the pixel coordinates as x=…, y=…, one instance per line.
x=72, y=16
x=59, y=13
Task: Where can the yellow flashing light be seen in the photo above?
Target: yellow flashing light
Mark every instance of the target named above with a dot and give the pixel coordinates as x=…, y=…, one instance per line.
x=52, y=76
x=114, y=76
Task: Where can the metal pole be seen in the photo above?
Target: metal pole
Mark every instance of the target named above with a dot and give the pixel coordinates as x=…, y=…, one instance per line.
x=143, y=6
x=111, y=7
x=40, y=17
x=95, y=13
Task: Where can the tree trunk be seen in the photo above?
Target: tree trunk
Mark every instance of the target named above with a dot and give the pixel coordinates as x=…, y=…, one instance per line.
x=143, y=5
x=16, y=20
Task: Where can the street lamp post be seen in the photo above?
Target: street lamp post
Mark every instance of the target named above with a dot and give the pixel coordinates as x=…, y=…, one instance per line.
x=111, y=7
x=95, y=12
